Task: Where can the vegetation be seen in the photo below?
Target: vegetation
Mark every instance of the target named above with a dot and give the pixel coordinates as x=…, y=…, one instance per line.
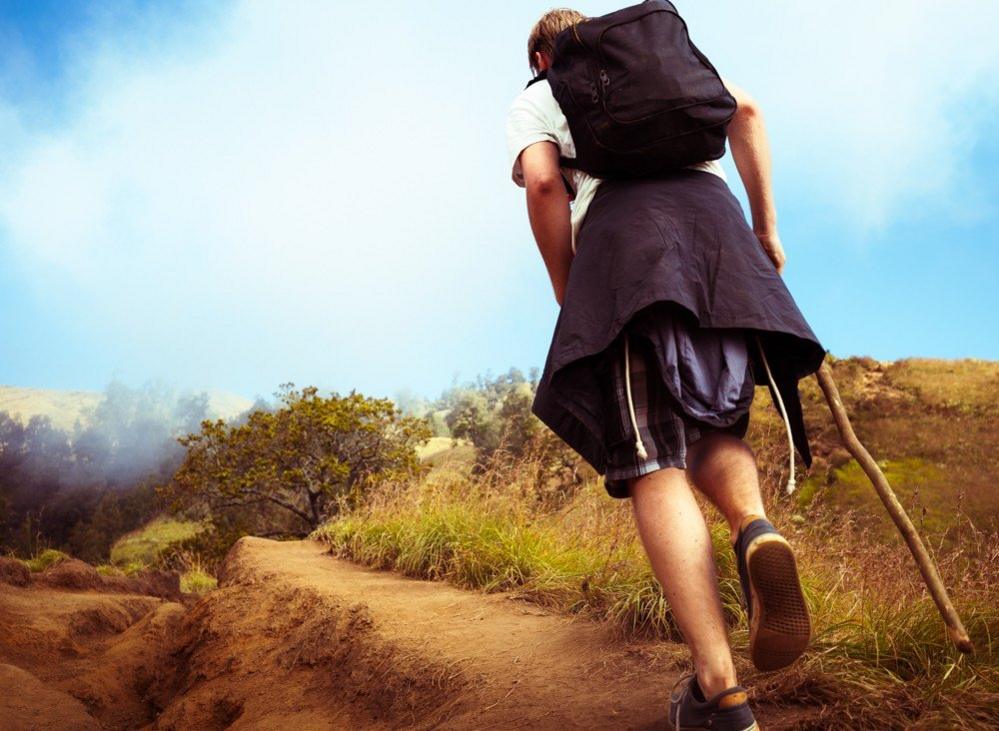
x=283, y=472
x=45, y=559
x=197, y=581
x=880, y=658
x=932, y=424
x=143, y=547
x=494, y=416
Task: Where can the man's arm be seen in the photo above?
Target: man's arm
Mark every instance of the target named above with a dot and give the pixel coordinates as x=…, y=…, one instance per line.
x=548, y=211
x=747, y=139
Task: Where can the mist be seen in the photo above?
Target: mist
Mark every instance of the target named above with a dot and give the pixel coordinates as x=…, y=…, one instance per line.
x=78, y=489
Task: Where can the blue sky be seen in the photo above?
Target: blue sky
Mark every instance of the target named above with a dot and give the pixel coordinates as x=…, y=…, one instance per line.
x=232, y=195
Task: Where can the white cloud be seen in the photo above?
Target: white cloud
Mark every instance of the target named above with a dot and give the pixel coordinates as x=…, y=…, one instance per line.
x=277, y=174
x=873, y=107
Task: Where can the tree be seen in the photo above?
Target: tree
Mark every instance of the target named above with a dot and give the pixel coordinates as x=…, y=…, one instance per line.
x=473, y=418
x=290, y=469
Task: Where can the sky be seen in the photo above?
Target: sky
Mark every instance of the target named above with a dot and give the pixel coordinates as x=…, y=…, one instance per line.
x=234, y=195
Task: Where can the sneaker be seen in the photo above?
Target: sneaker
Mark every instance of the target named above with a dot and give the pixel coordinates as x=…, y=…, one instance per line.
x=779, y=625
x=727, y=710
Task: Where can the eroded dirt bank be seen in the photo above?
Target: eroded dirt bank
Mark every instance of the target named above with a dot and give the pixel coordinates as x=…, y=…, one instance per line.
x=294, y=638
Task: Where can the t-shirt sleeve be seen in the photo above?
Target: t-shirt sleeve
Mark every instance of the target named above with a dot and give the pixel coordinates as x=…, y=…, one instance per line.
x=526, y=124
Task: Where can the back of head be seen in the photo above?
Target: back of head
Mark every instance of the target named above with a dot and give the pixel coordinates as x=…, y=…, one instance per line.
x=542, y=38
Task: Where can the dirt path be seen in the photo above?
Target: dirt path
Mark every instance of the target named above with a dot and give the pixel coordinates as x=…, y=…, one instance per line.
x=294, y=638
x=412, y=653
x=474, y=660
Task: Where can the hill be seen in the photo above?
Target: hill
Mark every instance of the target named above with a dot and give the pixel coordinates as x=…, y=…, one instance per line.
x=64, y=408
x=932, y=424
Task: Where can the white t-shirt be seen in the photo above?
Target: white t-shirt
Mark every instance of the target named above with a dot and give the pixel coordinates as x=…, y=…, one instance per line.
x=535, y=116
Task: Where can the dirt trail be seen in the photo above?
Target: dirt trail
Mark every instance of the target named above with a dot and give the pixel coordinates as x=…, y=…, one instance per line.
x=294, y=638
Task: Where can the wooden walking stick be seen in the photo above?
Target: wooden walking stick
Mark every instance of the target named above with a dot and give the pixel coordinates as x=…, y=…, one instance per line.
x=955, y=629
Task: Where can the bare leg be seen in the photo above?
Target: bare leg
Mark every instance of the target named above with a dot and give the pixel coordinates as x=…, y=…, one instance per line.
x=678, y=544
x=723, y=467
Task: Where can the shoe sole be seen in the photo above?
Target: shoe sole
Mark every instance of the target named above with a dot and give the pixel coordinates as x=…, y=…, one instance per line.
x=781, y=628
x=676, y=727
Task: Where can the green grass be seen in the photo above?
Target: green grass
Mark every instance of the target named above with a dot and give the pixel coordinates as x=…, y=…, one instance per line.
x=142, y=547
x=45, y=559
x=919, y=484
x=141, y=550
x=197, y=581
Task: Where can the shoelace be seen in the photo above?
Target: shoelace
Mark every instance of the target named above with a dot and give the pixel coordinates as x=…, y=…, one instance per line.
x=680, y=681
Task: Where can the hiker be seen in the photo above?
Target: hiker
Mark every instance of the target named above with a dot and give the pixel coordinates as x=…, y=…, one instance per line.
x=672, y=310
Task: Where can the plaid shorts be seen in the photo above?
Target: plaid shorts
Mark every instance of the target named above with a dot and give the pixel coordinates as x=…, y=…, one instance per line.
x=665, y=429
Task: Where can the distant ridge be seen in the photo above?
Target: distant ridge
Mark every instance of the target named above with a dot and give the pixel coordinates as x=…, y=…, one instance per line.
x=64, y=408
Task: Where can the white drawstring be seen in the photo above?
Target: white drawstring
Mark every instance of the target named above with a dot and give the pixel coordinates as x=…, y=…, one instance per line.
x=639, y=447
x=787, y=422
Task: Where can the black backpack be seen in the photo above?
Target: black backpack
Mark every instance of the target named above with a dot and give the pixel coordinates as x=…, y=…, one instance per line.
x=637, y=94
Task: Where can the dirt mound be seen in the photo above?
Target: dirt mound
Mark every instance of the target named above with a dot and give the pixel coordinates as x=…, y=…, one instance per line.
x=88, y=645
x=80, y=576
x=28, y=704
x=136, y=673
x=70, y=574
x=164, y=584
x=13, y=572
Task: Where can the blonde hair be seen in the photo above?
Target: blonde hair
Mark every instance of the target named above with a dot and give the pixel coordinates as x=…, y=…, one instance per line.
x=543, y=33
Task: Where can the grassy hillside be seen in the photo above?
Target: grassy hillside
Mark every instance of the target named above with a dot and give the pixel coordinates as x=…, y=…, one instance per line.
x=143, y=547
x=64, y=408
x=933, y=425
x=148, y=545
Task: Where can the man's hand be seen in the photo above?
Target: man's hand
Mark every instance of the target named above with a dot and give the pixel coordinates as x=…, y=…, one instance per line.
x=548, y=210
x=771, y=244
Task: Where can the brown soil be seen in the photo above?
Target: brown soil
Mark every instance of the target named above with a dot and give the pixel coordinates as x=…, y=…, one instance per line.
x=294, y=638
x=13, y=572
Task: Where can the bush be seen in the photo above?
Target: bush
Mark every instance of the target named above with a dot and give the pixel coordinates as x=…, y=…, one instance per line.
x=284, y=472
x=45, y=559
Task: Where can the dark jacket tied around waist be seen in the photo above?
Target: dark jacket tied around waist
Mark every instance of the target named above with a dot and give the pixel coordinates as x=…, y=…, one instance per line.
x=646, y=248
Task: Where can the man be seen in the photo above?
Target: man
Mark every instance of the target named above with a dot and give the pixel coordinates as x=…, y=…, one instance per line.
x=674, y=261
